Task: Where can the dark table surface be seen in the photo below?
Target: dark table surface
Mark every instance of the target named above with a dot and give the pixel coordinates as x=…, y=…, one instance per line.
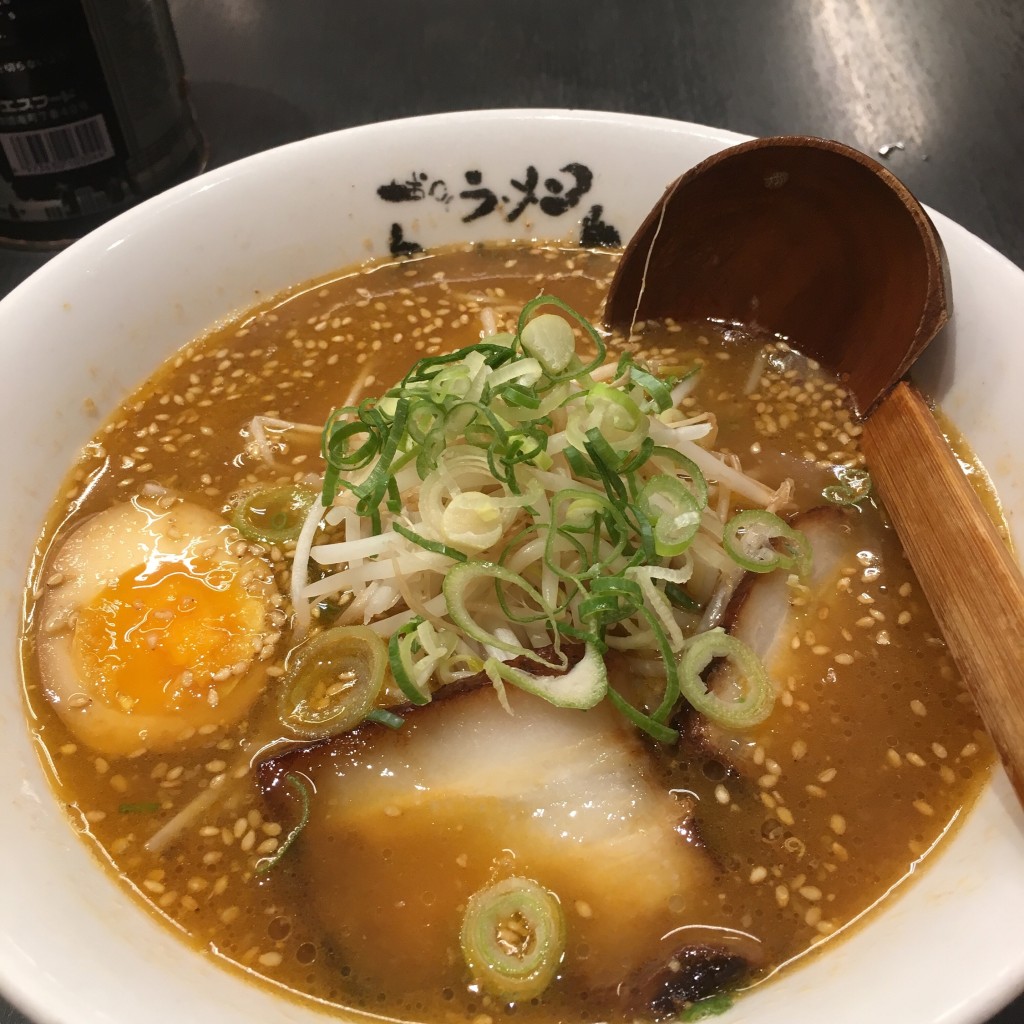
x=943, y=77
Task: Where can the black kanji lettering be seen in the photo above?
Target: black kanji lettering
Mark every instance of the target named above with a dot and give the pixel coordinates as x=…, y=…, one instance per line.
x=561, y=199
x=529, y=189
x=487, y=199
x=407, y=191
x=595, y=234
x=398, y=244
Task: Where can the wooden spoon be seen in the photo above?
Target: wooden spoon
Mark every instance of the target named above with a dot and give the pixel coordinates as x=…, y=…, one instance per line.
x=814, y=241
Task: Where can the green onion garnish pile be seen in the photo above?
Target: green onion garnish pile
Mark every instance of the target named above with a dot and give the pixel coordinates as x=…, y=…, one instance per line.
x=515, y=503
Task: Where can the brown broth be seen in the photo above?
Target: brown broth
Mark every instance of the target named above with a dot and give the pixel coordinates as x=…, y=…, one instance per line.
x=873, y=752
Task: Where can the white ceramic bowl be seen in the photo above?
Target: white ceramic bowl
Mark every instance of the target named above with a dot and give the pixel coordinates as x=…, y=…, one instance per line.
x=74, y=944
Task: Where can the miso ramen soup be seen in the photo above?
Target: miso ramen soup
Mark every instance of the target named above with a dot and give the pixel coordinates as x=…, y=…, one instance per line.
x=427, y=652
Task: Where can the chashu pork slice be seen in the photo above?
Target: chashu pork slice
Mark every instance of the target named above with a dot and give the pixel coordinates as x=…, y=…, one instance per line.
x=405, y=825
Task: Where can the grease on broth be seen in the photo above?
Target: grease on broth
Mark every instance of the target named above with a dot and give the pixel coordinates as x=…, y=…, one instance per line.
x=873, y=751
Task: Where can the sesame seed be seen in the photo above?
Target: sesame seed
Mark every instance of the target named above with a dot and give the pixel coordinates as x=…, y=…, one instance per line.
x=583, y=908
x=918, y=708
x=270, y=959
x=758, y=874
x=915, y=759
x=924, y=808
x=838, y=824
x=721, y=794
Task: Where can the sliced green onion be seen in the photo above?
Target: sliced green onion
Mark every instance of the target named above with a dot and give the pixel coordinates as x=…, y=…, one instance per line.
x=673, y=510
x=680, y=598
x=704, y=1009
x=698, y=483
x=266, y=863
x=145, y=807
x=575, y=368
x=549, y=339
x=514, y=436
x=513, y=938
x=749, y=538
x=414, y=653
x=659, y=391
x=618, y=420
x=656, y=730
x=757, y=697
x=273, y=515
x=853, y=487
x=434, y=546
x=584, y=686
x=384, y=717
x=456, y=587
x=332, y=682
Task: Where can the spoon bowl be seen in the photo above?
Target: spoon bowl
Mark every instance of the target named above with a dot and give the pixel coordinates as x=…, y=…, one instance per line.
x=806, y=238
x=812, y=241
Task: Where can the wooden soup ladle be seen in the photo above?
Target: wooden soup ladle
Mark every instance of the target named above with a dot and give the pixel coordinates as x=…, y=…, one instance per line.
x=814, y=241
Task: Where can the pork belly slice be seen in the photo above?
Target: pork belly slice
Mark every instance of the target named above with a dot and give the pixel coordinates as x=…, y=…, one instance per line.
x=405, y=825
x=762, y=614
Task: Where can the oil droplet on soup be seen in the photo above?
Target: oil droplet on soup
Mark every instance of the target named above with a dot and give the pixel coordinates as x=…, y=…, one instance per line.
x=159, y=634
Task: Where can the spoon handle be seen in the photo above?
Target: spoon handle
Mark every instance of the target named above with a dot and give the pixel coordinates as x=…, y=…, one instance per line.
x=968, y=575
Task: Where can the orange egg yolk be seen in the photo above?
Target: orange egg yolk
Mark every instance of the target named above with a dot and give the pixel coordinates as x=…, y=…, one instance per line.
x=151, y=642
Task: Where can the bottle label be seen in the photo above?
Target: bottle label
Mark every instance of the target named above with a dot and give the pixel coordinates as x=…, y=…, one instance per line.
x=55, y=150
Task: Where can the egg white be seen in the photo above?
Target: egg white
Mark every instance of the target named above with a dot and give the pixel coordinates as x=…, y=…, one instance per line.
x=124, y=539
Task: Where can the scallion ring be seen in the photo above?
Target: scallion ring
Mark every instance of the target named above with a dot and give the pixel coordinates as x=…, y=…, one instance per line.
x=332, y=682
x=672, y=508
x=759, y=541
x=273, y=515
x=757, y=694
x=266, y=863
x=513, y=938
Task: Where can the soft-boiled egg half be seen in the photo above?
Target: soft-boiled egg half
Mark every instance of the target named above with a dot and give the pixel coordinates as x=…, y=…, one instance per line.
x=152, y=625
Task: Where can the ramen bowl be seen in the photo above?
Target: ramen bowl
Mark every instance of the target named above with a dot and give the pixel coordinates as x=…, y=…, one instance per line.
x=75, y=945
